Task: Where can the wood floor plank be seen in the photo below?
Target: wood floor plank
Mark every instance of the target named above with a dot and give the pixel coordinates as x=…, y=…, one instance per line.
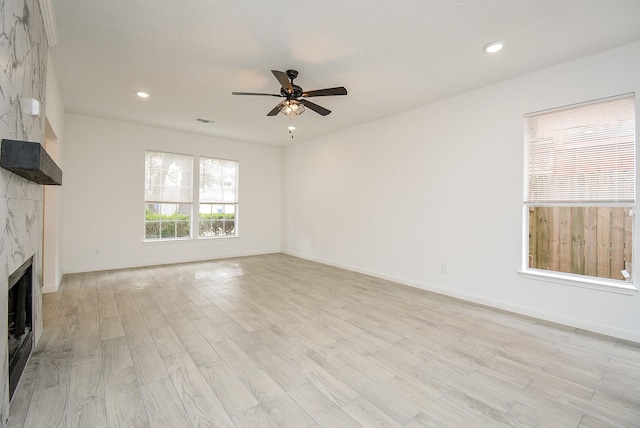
x=254, y=417
x=193, y=342
x=324, y=382
x=227, y=385
x=236, y=358
x=89, y=415
x=87, y=345
x=589, y=421
x=522, y=415
x=87, y=322
x=148, y=364
x=323, y=411
x=201, y=403
x=111, y=327
x=122, y=395
x=383, y=398
x=422, y=420
x=115, y=354
x=154, y=318
x=55, y=368
x=209, y=330
x=135, y=329
x=348, y=357
x=87, y=383
x=275, y=402
x=166, y=341
x=47, y=408
x=164, y=408
x=368, y=415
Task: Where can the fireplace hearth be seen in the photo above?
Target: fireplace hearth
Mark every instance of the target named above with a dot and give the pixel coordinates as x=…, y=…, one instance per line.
x=20, y=321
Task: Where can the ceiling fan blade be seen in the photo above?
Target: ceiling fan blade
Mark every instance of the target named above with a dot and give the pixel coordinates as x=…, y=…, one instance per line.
x=283, y=79
x=315, y=107
x=275, y=110
x=255, y=93
x=341, y=90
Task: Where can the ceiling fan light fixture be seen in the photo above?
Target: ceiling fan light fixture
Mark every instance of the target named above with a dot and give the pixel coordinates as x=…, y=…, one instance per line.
x=493, y=47
x=291, y=108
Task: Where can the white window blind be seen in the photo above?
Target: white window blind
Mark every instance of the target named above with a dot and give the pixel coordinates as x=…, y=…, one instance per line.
x=218, y=180
x=168, y=177
x=583, y=153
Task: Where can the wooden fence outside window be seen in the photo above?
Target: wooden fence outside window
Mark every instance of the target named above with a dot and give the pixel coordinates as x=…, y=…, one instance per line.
x=594, y=241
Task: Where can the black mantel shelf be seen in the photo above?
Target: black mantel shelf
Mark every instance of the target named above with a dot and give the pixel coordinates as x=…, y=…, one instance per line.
x=30, y=160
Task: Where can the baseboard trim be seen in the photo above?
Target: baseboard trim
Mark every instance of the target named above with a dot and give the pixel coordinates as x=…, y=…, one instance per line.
x=83, y=269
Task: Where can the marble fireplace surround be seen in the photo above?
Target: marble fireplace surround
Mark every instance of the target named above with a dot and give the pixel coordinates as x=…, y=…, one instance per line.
x=23, y=49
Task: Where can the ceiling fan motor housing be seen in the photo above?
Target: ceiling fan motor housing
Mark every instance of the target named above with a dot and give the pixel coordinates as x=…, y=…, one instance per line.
x=296, y=92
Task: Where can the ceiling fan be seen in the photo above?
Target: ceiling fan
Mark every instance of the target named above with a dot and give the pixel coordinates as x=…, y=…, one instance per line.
x=295, y=102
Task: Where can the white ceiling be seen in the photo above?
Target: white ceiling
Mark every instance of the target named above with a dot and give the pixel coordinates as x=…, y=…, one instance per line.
x=391, y=55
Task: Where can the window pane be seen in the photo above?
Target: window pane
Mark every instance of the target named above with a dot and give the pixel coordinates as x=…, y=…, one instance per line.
x=217, y=220
x=168, y=195
x=168, y=229
x=152, y=230
x=167, y=221
x=168, y=177
x=582, y=153
x=229, y=227
x=594, y=241
x=182, y=229
x=218, y=180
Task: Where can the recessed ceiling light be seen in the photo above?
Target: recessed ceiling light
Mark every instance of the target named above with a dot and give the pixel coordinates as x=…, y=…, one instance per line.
x=142, y=94
x=494, y=47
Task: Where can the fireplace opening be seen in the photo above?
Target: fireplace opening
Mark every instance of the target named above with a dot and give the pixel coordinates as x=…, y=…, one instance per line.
x=20, y=322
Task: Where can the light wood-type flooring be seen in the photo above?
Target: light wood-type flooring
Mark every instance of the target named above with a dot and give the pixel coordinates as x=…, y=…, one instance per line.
x=276, y=341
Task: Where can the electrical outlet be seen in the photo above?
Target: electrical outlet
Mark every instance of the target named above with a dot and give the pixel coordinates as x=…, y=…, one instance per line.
x=444, y=268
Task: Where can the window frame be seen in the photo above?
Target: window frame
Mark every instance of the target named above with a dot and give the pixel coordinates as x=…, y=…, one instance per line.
x=156, y=201
x=234, y=203
x=195, y=202
x=627, y=286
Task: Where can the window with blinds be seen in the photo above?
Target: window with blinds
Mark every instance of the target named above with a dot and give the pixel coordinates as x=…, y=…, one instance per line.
x=584, y=153
x=168, y=195
x=580, y=188
x=218, y=198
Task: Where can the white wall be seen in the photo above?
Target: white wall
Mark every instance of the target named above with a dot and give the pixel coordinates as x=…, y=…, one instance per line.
x=54, y=137
x=104, y=196
x=443, y=184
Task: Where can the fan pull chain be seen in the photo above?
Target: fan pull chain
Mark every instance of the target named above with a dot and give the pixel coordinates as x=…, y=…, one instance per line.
x=291, y=127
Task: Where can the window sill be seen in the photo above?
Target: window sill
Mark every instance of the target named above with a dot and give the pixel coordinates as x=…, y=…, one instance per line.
x=166, y=241
x=185, y=240
x=589, y=282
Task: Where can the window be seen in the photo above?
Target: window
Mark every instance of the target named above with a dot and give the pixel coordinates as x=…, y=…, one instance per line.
x=580, y=188
x=168, y=195
x=218, y=197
